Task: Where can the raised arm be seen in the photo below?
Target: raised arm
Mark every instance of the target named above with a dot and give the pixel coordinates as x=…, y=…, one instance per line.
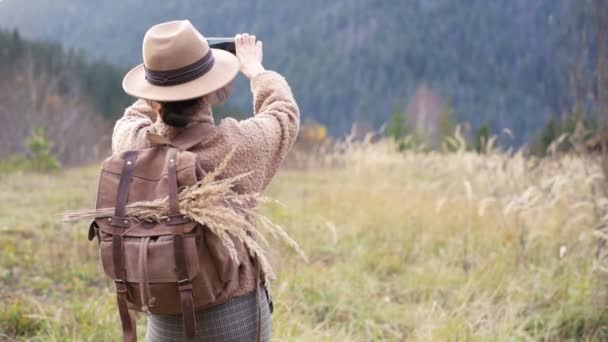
x=262, y=142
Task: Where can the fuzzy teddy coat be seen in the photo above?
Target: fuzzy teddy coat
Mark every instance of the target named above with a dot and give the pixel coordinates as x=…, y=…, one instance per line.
x=260, y=142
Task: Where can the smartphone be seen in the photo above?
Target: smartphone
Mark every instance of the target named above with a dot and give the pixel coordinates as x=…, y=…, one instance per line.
x=222, y=43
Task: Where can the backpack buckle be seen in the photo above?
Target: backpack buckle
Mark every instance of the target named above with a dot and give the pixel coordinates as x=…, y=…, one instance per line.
x=122, y=288
x=183, y=282
x=121, y=285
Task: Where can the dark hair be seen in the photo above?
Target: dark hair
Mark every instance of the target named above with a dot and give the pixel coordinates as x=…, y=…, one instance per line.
x=178, y=113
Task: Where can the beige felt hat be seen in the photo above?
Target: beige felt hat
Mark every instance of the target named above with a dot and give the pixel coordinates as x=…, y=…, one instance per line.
x=179, y=65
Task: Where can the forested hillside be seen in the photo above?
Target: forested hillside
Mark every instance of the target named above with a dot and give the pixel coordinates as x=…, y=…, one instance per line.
x=55, y=92
x=501, y=61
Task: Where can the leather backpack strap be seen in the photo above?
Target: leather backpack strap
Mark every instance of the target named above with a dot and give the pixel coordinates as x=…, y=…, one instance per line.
x=184, y=286
x=186, y=139
x=175, y=217
x=193, y=135
x=172, y=178
x=119, y=221
x=122, y=194
x=258, y=279
x=153, y=139
x=122, y=292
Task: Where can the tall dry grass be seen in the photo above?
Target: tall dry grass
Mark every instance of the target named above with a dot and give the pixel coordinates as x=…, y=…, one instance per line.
x=452, y=246
x=420, y=246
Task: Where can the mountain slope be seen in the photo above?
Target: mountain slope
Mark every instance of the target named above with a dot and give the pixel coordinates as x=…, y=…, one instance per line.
x=44, y=87
x=352, y=60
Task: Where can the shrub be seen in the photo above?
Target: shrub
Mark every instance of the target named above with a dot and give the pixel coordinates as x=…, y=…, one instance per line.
x=39, y=157
x=482, y=136
x=16, y=319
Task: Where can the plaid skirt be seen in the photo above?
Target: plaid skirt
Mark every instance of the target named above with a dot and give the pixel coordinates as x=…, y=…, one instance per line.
x=235, y=320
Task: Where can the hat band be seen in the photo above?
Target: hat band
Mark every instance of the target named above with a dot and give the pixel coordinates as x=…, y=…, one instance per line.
x=185, y=74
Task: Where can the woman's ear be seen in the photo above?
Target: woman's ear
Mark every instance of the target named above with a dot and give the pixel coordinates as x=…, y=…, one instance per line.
x=219, y=96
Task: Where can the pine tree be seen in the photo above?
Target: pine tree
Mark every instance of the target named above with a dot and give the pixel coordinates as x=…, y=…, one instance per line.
x=396, y=129
x=482, y=135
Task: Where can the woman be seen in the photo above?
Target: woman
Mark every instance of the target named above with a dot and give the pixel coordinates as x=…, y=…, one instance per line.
x=179, y=81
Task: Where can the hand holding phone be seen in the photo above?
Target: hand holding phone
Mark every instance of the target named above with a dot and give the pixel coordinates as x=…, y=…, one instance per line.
x=250, y=54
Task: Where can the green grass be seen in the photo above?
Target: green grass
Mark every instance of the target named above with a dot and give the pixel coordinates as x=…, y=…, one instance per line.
x=388, y=260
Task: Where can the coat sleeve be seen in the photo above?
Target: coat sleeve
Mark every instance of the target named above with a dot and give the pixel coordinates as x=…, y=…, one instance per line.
x=262, y=141
x=131, y=125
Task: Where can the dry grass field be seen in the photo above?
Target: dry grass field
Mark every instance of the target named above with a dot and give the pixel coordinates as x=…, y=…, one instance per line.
x=402, y=246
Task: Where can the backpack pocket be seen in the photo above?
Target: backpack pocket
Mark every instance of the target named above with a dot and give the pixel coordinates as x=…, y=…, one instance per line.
x=227, y=269
x=159, y=259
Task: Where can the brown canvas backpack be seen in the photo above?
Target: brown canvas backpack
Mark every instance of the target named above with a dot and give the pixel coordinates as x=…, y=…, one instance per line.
x=171, y=267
